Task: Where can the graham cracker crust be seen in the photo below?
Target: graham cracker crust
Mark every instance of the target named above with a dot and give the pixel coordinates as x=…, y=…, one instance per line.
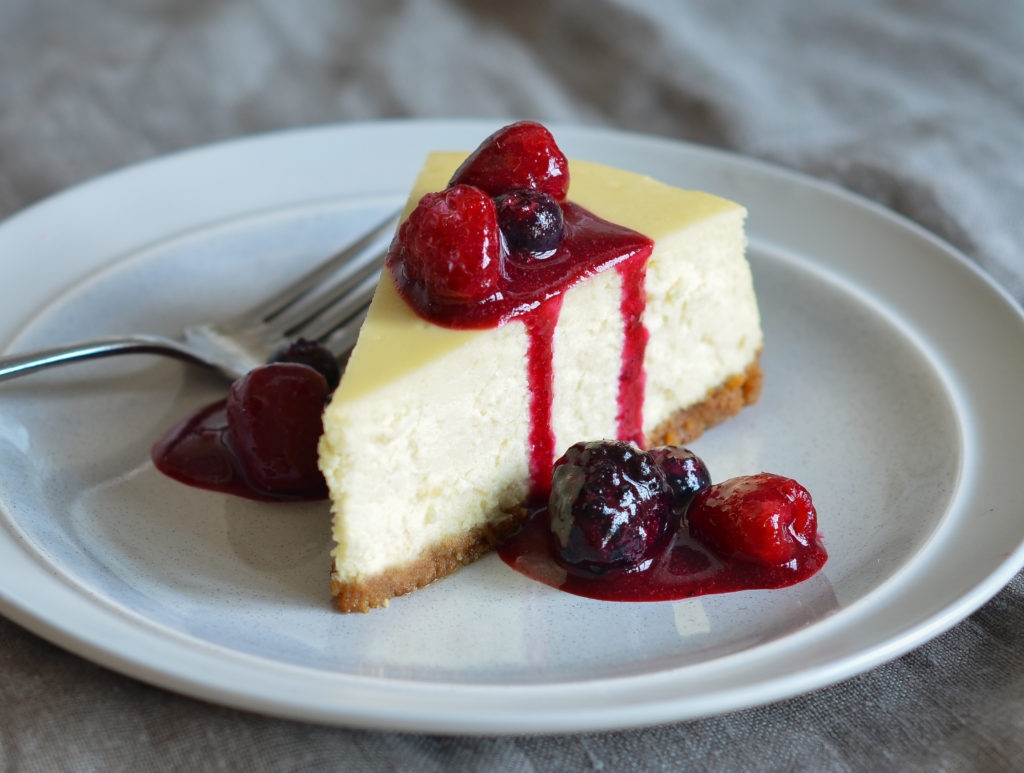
x=444, y=558
x=721, y=403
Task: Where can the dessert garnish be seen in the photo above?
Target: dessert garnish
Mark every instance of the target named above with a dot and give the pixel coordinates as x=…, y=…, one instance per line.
x=501, y=239
x=762, y=519
x=260, y=441
x=610, y=506
x=520, y=155
x=531, y=222
x=623, y=524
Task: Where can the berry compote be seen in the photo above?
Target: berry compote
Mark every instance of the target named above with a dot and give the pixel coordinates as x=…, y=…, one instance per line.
x=622, y=524
x=261, y=441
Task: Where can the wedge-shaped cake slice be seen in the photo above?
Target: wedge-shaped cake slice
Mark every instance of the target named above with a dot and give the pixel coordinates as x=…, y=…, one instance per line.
x=438, y=436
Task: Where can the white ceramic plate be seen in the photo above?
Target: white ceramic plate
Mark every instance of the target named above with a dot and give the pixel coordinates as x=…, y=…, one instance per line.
x=892, y=377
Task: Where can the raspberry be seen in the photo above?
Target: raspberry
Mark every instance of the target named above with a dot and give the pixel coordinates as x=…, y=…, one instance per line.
x=609, y=505
x=274, y=422
x=450, y=246
x=765, y=519
x=521, y=155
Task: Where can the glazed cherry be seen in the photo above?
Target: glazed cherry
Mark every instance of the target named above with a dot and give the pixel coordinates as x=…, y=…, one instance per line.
x=609, y=505
x=450, y=248
x=521, y=155
x=311, y=353
x=274, y=423
x=685, y=472
x=765, y=519
x=531, y=222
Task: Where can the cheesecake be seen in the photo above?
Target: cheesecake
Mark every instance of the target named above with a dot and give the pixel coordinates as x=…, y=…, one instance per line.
x=448, y=419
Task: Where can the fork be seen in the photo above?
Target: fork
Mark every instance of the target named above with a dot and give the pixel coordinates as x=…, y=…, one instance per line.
x=326, y=305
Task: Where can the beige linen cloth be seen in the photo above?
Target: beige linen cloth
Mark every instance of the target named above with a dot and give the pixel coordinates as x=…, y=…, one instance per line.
x=917, y=105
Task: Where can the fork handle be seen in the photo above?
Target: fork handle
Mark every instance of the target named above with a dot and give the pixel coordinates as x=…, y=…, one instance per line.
x=29, y=362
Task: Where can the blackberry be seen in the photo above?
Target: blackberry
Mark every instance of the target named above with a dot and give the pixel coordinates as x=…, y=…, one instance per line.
x=609, y=506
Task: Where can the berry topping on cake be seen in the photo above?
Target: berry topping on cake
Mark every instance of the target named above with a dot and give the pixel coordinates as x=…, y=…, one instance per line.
x=450, y=246
x=765, y=519
x=274, y=423
x=500, y=240
x=521, y=155
x=609, y=505
x=531, y=222
x=311, y=353
x=685, y=473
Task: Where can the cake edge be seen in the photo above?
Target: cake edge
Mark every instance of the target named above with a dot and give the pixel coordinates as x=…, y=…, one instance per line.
x=451, y=553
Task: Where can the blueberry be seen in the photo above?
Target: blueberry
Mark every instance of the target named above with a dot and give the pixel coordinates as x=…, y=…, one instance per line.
x=685, y=472
x=530, y=220
x=313, y=354
x=609, y=505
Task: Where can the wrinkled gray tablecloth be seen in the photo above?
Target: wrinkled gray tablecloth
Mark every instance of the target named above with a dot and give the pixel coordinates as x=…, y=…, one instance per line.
x=918, y=105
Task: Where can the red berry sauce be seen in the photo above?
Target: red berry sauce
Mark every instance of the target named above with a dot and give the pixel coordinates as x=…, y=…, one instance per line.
x=198, y=451
x=259, y=443
x=681, y=567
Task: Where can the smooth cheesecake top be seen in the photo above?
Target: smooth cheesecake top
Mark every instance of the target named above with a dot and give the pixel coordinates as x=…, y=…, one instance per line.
x=395, y=341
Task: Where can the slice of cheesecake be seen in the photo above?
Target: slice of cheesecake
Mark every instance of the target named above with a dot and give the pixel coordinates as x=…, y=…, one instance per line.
x=430, y=446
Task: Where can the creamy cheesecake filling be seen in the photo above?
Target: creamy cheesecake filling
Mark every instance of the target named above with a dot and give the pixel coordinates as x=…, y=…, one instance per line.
x=434, y=469
x=419, y=486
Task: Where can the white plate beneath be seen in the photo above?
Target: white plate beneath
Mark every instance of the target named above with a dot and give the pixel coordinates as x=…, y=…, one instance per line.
x=892, y=369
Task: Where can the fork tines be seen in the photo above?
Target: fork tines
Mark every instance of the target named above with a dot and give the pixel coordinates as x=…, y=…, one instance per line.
x=331, y=297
